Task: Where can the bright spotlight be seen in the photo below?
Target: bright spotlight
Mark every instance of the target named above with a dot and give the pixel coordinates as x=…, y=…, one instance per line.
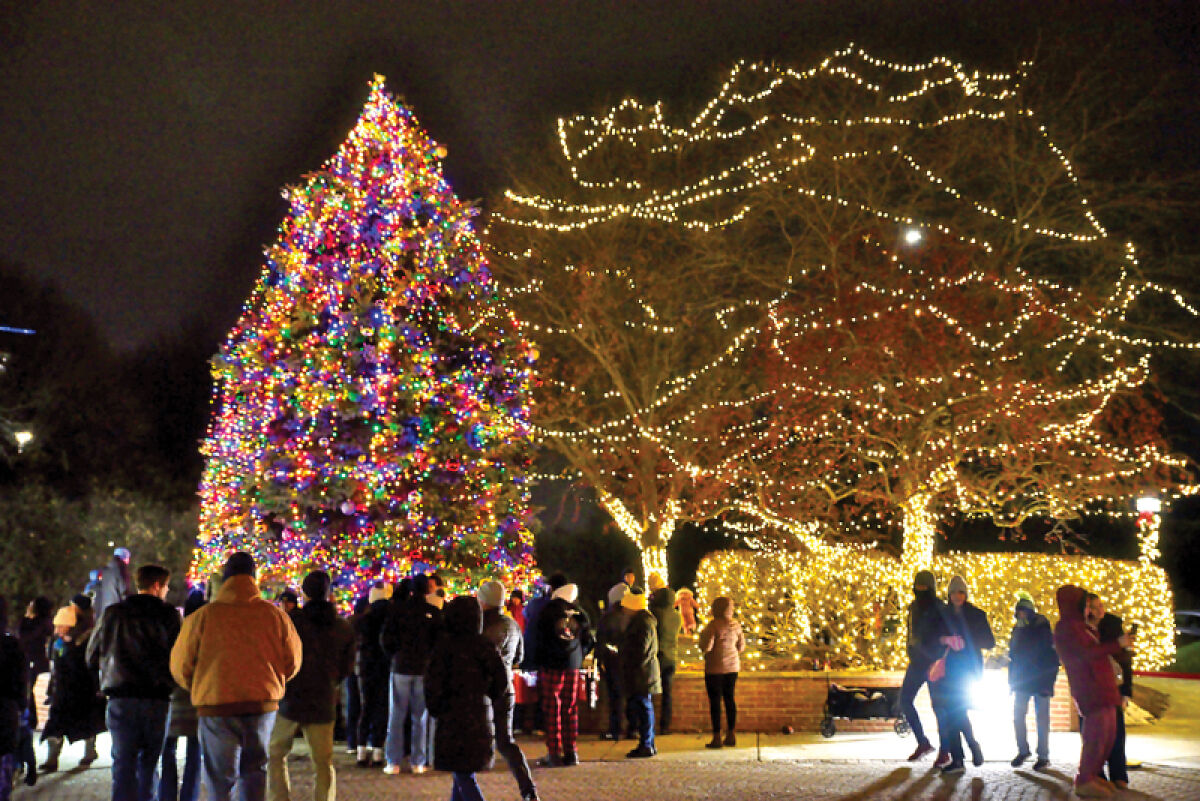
x=913, y=236
x=1149, y=505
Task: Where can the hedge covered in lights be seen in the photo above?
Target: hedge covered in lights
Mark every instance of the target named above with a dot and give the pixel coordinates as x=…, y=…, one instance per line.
x=785, y=599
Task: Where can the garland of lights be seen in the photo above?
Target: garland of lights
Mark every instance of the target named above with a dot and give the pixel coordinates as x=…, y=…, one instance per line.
x=760, y=458
x=371, y=413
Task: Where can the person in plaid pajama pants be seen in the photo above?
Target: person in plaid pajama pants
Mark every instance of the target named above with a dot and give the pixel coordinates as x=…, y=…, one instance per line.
x=564, y=639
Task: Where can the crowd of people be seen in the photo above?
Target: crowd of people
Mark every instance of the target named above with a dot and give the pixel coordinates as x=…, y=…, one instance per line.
x=424, y=681
x=946, y=641
x=427, y=681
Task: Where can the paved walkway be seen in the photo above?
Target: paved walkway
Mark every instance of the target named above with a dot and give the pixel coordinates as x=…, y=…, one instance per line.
x=846, y=768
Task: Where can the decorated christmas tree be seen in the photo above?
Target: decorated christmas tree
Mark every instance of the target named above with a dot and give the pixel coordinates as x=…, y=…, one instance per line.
x=371, y=413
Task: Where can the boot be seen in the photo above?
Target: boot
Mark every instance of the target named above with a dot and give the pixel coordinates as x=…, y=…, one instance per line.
x=90, y=754
x=730, y=739
x=715, y=742
x=364, y=756
x=53, y=749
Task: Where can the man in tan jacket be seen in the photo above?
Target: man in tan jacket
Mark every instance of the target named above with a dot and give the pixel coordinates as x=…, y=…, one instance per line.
x=234, y=656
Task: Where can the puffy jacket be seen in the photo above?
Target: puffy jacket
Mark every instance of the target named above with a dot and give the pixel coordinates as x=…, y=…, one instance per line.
x=236, y=653
x=1088, y=661
x=638, y=655
x=533, y=613
x=370, y=659
x=465, y=681
x=327, y=645
x=722, y=641
x=963, y=667
x=131, y=646
x=669, y=621
x=409, y=634
x=505, y=634
x=1033, y=662
x=609, y=632
x=564, y=636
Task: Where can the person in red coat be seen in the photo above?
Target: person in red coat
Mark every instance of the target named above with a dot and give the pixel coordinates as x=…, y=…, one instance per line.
x=1089, y=667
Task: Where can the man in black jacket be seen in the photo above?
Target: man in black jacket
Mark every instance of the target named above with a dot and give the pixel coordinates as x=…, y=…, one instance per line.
x=310, y=699
x=1032, y=669
x=505, y=634
x=373, y=672
x=408, y=638
x=1111, y=628
x=132, y=649
x=564, y=638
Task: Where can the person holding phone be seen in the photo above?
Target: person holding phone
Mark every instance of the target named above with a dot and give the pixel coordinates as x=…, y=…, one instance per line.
x=1110, y=628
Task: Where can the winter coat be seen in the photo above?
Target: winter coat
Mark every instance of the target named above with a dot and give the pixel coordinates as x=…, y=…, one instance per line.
x=662, y=606
x=1033, y=662
x=921, y=630
x=327, y=648
x=638, y=655
x=564, y=636
x=1088, y=661
x=370, y=660
x=14, y=691
x=609, y=632
x=721, y=641
x=76, y=705
x=131, y=647
x=533, y=614
x=504, y=633
x=34, y=634
x=465, y=680
x=409, y=634
x=114, y=586
x=965, y=666
x=1111, y=627
x=236, y=653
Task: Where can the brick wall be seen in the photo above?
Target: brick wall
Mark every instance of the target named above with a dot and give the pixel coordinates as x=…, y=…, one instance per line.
x=769, y=700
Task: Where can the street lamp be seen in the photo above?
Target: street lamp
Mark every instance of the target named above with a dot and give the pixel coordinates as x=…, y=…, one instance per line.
x=23, y=438
x=1149, y=505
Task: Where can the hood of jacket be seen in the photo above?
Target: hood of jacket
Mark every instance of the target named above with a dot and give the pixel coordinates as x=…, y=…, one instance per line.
x=237, y=590
x=1070, y=602
x=320, y=613
x=462, y=616
x=662, y=598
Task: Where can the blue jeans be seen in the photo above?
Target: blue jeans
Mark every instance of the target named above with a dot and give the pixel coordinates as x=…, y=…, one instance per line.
x=138, y=727
x=408, y=698
x=1041, y=711
x=465, y=788
x=233, y=751
x=172, y=787
x=641, y=710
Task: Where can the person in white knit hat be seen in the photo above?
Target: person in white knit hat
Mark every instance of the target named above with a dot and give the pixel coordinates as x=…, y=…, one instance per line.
x=564, y=639
x=505, y=634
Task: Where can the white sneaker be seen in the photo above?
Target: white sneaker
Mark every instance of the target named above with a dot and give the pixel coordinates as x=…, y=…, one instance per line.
x=391, y=770
x=377, y=755
x=419, y=768
x=363, y=753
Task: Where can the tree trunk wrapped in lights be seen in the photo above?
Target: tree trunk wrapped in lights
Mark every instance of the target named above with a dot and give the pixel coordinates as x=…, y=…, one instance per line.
x=371, y=405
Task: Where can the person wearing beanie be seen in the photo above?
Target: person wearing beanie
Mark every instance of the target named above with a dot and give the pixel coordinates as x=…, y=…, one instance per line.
x=409, y=634
x=655, y=582
x=564, y=638
x=132, y=650
x=504, y=633
x=721, y=642
x=235, y=655
x=373, y=668
x=532, y=612
x=609, y=631
x=115, y=585
x=76, y=705
x=309, y=703
x=922, y=653
x=640, y=677
x=689, y=607
x=1032, y=670
x=963, y=633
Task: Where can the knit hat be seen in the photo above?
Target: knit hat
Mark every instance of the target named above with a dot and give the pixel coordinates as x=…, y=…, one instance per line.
x=1025, y=601
x=122, y=554
x=65, y=616
x=634, y=600
x=957, y=584
x=655, y=582
x=924, y=578
x=616, y=593
x=382, y=591
x=568, y=592
x=491, y=594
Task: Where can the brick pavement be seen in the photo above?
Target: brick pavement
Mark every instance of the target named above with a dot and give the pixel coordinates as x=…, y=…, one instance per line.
x=685, y=771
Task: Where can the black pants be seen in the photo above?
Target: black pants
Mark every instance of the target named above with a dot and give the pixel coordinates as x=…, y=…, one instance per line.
x=353, y=710
x=616, y=705
x=721, y=686
x=374, y=695
x=507, y=747
x=1117, y=770
x=915, y=676
x=667, y=672
x=952, y=721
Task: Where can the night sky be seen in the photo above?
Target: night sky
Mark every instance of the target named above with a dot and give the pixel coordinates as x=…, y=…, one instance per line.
x=143, y=145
